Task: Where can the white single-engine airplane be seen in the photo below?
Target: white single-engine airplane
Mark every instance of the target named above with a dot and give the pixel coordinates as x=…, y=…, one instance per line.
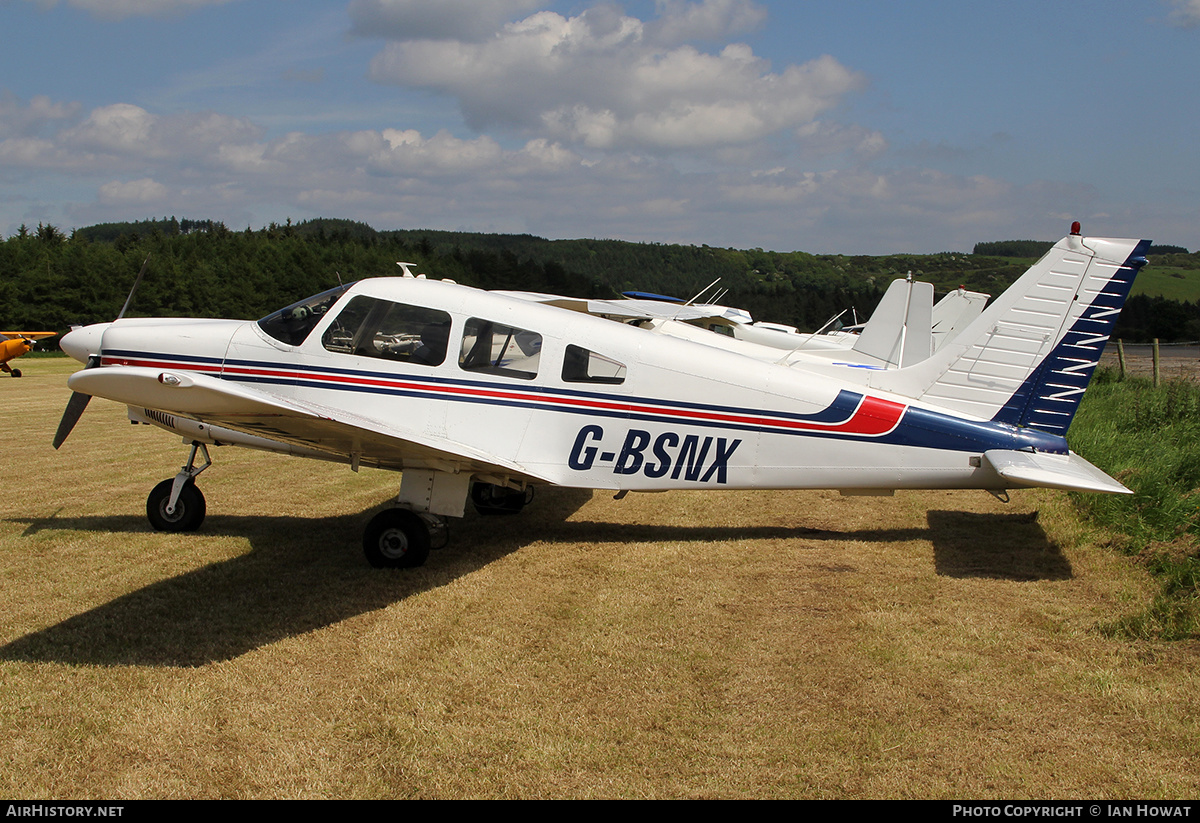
x=482, y=396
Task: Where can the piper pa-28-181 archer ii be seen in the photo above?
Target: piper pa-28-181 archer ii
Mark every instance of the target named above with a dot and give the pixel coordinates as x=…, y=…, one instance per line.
x=480, y=396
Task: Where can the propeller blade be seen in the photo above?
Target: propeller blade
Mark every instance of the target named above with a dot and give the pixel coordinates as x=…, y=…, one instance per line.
x=71, y=415
x=129, y=299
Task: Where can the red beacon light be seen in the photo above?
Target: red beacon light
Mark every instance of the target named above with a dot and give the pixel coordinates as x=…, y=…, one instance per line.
x=1075, y=228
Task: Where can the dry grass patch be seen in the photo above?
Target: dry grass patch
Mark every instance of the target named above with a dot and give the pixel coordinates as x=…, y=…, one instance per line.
x=724, y=644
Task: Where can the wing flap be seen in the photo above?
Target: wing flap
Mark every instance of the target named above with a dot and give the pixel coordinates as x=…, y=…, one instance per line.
x=251, y=410
x=1053, y=471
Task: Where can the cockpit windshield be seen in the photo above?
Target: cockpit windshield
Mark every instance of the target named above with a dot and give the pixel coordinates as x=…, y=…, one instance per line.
x=292, y=325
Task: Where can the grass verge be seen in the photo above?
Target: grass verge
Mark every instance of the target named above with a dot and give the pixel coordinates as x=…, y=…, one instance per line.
x=1149, y=438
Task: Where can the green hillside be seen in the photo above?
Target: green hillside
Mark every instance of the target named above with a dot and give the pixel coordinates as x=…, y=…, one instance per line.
x=202, y=268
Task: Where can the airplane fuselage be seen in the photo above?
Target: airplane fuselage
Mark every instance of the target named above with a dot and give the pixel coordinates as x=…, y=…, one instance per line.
x=667, y=413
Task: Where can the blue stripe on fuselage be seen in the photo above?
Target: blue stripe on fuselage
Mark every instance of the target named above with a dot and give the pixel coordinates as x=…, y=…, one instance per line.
x=919, y=428
x=933, y=430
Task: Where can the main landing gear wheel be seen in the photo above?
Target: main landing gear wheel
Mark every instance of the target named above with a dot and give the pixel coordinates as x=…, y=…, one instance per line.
x=396, y=539
x=16, y=372
x=189, y=508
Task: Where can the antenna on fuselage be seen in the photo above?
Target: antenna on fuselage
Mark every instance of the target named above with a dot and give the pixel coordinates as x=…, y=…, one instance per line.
x=783, y=361
x=694, y=299
x=702, y=291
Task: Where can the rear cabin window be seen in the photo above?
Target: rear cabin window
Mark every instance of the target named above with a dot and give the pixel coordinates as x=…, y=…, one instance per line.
x=493, y=348
x=371, y=327
x=583, y=366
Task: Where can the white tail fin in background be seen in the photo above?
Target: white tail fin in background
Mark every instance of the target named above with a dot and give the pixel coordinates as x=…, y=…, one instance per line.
x=954, y=312
x=899, y=332
x=1027, y=359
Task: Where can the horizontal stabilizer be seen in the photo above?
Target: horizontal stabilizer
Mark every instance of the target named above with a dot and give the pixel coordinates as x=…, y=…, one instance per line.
x=1054, y=471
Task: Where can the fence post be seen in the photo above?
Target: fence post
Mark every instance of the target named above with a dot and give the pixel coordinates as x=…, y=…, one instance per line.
x=1156, y=370
x=1121, y=357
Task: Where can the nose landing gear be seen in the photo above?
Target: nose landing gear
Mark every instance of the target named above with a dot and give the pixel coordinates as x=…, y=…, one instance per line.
x=176, y=505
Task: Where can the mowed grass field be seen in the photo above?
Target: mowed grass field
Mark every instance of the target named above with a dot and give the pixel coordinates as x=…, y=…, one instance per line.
x=727, y=644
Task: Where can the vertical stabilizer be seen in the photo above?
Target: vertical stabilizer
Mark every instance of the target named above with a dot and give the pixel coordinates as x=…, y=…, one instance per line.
x=1027, y=359
x=954, y=312
x=899, y=331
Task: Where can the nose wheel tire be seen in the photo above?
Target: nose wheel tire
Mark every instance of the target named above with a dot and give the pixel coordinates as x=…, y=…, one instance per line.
x=396, y=539
x=189, y=509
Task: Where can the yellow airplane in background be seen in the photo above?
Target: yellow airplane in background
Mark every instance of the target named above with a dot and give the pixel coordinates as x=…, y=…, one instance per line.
x=16, y=343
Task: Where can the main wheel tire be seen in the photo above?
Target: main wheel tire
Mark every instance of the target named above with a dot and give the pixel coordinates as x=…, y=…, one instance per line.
x=189, y=509
x=16, y=372
x=396, y=539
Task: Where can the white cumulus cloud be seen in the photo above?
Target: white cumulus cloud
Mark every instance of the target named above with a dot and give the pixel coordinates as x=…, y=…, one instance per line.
x=126, y=130
x=604, y=80
x=143, y=191
x=1184, y=13
x=681, y=21
x=20, y=119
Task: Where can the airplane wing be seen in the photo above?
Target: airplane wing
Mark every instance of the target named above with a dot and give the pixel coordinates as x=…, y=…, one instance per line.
x=28, y=335
x=251, y=410
x=1055, y=471
x=635, y=308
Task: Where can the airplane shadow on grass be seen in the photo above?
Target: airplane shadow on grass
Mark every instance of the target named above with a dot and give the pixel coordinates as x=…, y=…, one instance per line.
x=301, y=575
x=1002, y=546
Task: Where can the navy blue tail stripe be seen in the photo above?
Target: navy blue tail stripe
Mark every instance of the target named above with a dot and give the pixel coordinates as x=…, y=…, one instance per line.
x=1048, y=399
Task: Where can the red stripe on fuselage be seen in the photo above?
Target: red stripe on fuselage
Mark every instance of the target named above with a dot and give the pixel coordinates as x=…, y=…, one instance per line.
x=872, y=417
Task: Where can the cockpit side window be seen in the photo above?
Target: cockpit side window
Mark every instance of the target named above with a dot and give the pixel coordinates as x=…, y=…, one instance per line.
x=371, y=327
x=293, y=324
x=583, y=366
x=494, y=348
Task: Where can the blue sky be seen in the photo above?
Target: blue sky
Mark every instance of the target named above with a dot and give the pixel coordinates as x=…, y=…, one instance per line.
x=847, y=126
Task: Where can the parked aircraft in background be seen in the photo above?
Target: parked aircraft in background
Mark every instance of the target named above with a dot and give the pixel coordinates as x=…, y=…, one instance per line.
x=13, y=344
x=482, y=396
x=905, y=328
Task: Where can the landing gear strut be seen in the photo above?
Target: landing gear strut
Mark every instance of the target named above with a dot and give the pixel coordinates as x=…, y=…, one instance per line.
x=176, y=505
